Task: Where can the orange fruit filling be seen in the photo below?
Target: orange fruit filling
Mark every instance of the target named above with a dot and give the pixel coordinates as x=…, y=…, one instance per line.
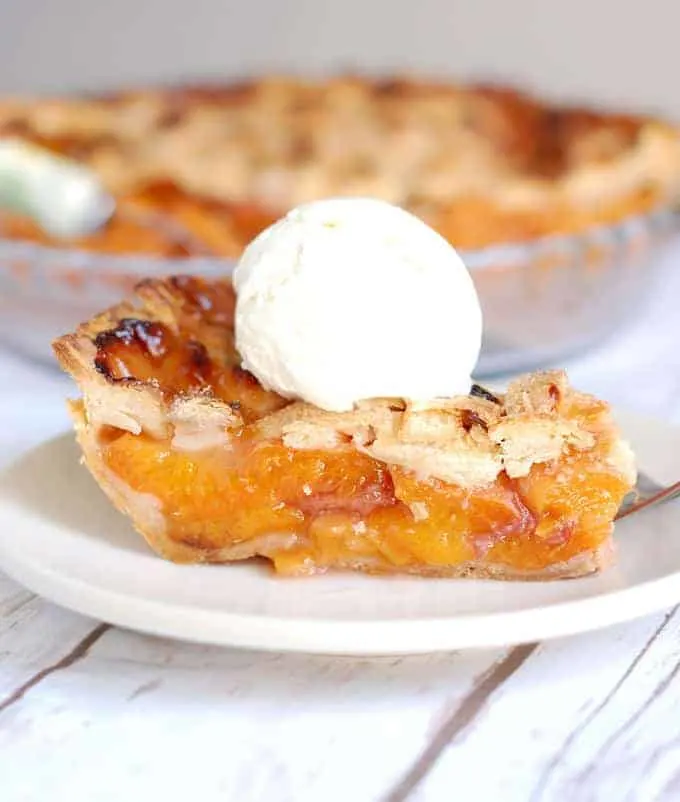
x=343, y=508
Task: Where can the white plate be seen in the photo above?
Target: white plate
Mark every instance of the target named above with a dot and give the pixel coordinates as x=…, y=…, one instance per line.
x=60, y=537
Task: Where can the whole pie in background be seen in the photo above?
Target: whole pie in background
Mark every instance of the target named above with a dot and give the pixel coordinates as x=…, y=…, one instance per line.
x=482, y=165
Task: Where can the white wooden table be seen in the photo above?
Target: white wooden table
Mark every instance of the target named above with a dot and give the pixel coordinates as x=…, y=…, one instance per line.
x=91, y=713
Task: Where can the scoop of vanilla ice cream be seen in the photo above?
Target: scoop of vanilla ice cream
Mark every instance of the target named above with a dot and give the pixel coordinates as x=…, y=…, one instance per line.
x=349, y=299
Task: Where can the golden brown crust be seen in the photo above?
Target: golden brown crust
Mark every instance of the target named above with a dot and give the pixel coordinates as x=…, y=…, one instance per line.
x=179, y=313
x=481, y=164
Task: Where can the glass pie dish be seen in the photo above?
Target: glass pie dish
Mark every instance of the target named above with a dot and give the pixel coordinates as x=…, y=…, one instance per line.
x=543, y=300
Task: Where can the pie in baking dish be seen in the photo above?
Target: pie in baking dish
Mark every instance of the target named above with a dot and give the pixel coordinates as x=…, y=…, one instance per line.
x=210, y=467
x=481, y=165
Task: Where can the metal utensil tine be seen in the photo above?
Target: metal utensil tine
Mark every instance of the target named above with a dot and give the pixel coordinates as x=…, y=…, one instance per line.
x=649, y=499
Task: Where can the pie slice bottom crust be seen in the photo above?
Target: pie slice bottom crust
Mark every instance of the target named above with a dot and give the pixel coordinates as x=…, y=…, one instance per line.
x=211, y=467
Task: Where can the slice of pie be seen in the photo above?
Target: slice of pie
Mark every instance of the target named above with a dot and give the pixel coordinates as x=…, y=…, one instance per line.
x=210, y=467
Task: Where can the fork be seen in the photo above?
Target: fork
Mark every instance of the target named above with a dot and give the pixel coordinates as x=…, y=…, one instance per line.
x=646, y=493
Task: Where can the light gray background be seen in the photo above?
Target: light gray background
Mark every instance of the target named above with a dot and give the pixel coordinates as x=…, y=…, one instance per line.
x=617, y=52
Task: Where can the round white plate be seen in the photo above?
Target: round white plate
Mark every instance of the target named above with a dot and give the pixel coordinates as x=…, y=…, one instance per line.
x=60, y=537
